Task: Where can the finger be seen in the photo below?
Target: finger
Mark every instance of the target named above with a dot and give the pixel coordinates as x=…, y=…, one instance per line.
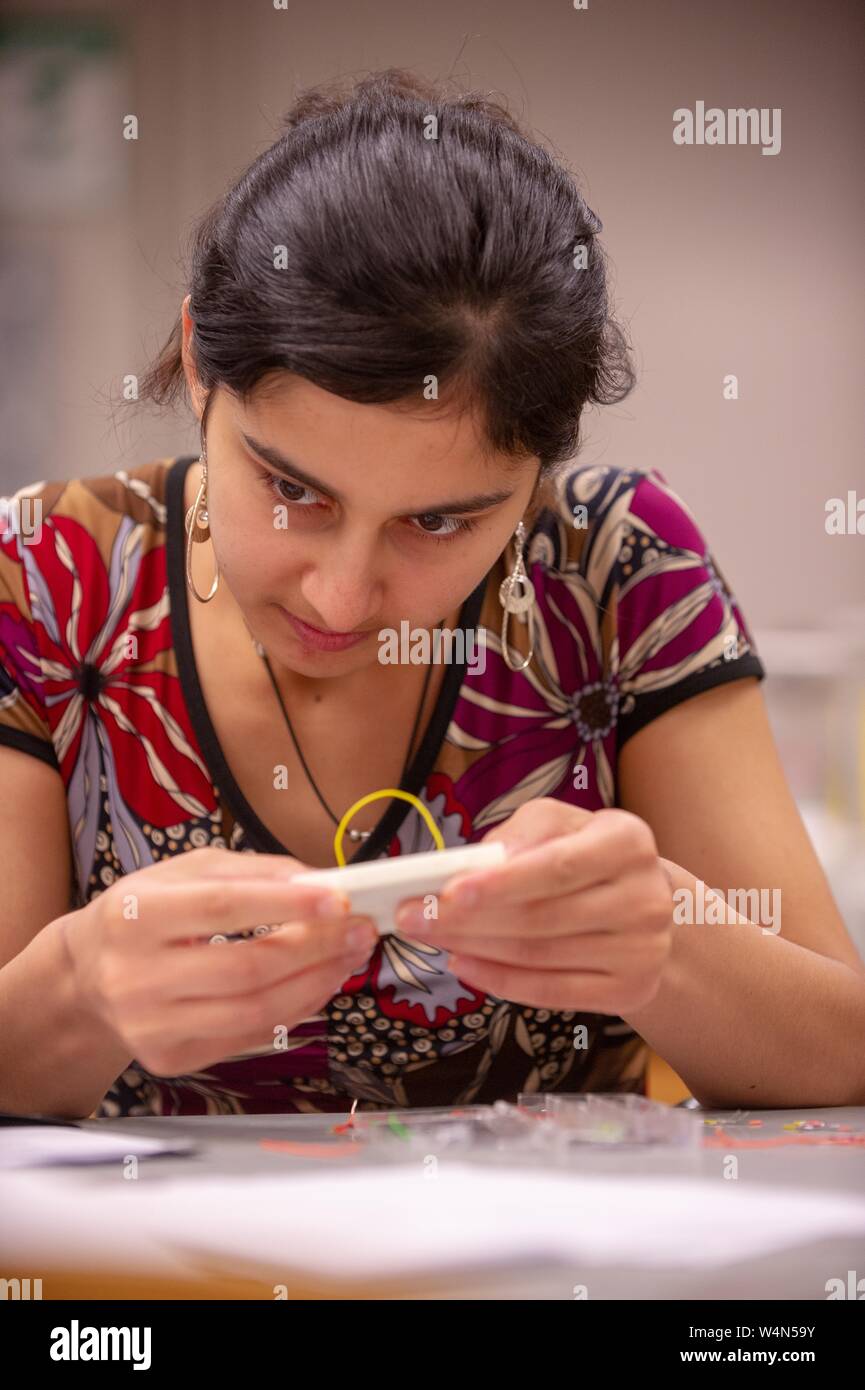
x=211, y=862
x=601, y=951
x=595, y=853
x=542, y=818
x=581, y=991
x=241, y=967
x=230, y=1033
x=600, y=909
x=171, y=912
x=252, y=1016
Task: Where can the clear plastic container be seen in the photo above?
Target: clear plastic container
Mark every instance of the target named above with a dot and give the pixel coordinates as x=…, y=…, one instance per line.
x=535, y=1102
x=538, y=1126
x=469, y=1129
x=610, y=1119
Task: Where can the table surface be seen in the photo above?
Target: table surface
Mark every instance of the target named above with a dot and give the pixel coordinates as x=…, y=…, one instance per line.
x=123, y=1267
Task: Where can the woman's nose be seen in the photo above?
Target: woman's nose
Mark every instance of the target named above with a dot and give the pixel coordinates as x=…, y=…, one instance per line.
x=343, y=590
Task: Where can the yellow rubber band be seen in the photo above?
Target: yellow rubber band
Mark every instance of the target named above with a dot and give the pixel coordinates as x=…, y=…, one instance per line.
x=422, y=810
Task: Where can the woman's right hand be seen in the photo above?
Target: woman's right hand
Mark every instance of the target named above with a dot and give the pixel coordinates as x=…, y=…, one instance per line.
x=143, y=962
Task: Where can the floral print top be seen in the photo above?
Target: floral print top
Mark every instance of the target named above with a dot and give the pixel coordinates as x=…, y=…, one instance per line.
x=632, y=615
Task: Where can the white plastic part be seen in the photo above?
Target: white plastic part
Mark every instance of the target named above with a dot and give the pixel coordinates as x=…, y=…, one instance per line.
x=376, y=888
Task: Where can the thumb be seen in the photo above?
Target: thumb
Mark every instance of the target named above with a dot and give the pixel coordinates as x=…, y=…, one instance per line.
x=537, y=821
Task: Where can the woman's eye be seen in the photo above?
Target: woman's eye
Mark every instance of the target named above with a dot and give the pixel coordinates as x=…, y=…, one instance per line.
x=292, y=492
x=434, y=524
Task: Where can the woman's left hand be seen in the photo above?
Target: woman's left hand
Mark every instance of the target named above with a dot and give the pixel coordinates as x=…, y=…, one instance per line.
x=578, y=917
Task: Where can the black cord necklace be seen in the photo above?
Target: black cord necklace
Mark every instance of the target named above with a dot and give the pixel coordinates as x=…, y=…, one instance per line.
x=355, y=835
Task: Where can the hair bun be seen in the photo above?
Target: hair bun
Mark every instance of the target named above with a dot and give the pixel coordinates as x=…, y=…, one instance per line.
x=326, y=99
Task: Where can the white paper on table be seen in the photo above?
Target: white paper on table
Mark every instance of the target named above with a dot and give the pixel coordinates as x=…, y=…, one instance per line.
x=393, y=1220
x=31, y=1146
x=396, y=1220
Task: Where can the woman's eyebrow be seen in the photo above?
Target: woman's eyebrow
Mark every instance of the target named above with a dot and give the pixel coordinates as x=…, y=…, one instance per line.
x=478, y=502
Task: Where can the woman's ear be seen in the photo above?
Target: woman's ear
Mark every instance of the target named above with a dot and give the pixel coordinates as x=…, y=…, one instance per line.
x=197, y=394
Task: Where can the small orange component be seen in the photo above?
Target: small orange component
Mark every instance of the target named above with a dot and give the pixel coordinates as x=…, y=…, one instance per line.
x=290, y=1146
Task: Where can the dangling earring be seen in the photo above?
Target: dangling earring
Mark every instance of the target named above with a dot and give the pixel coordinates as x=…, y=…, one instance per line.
x=518, y=603
x=197, y=531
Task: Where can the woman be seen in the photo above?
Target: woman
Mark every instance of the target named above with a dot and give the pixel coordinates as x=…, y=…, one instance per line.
x=395, y=319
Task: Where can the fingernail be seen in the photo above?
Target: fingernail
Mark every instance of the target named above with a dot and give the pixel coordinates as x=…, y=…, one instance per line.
x=334, y=905
x=361, y=938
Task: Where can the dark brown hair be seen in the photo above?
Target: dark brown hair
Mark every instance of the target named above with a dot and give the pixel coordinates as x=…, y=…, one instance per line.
x=407, y=257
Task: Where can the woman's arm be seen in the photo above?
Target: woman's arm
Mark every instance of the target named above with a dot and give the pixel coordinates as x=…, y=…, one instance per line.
x=745, y=1016
x=55, y=1057
x=91, y=991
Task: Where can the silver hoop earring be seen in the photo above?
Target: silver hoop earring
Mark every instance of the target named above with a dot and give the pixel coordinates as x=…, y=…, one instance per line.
x=198, y=531
x=519, y=602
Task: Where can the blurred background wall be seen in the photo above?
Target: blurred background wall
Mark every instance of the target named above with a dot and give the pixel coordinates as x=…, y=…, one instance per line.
x=725, y=261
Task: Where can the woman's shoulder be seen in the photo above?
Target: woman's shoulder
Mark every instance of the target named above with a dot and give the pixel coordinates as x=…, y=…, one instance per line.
x=93, y=503
x=69, y=542
x=625, y=535
x=83, y=577
x=590, y=511
x=630, y=592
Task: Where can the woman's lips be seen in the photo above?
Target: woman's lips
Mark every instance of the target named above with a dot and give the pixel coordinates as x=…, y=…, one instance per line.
x=322, y=641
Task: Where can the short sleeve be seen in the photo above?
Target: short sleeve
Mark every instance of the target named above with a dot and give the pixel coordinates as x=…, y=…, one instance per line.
x=24, y=722
x=678, y=628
